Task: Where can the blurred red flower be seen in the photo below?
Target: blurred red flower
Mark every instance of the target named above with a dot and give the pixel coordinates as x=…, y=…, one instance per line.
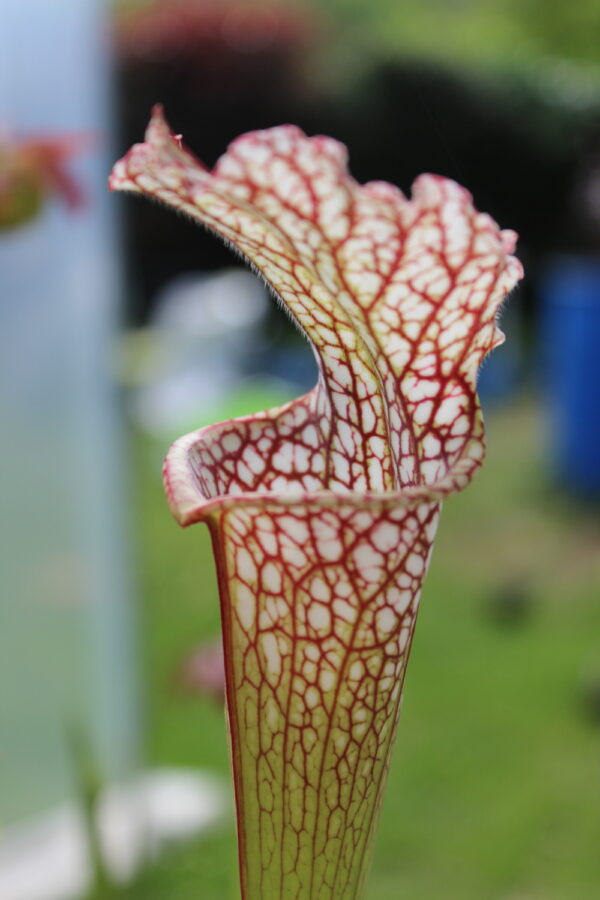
x=203, y=670
x=31, y=169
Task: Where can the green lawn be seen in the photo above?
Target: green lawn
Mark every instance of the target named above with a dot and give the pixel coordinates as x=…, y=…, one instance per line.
x=494, y=790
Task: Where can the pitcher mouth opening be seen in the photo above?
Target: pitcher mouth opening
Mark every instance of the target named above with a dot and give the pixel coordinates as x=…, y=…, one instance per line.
x=192, y=498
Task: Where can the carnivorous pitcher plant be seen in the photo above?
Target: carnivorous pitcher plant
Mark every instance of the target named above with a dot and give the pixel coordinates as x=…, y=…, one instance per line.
x=323, y=511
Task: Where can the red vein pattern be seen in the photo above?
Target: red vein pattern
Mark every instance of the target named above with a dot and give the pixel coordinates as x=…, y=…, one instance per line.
x=323, y=511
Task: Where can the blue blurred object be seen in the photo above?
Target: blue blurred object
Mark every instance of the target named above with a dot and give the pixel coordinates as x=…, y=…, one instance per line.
x=293, y=364
x=502, y=371
x=571, y=361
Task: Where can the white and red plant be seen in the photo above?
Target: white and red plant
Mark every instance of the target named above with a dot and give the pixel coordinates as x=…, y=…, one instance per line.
x=323, y=512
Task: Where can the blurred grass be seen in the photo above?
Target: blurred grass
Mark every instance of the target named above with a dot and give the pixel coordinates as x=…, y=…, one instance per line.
x=494, y=790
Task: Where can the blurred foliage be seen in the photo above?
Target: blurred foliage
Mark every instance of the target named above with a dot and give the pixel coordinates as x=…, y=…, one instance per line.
x=548, y=40
x=480, y=31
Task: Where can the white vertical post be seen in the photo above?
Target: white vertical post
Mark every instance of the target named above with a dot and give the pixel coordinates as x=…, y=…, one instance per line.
x=66, y=648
